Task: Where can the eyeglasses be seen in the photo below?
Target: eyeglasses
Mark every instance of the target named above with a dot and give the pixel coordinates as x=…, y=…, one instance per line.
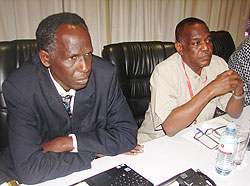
x=210, y=138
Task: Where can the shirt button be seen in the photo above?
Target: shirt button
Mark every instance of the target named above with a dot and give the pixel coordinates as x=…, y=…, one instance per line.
x=195, y=77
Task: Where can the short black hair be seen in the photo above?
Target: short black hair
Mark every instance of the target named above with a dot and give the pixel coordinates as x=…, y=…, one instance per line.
x=46, y=31
x=183, y=23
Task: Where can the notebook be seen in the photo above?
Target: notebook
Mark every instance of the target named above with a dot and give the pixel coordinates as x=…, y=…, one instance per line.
x=119, y=175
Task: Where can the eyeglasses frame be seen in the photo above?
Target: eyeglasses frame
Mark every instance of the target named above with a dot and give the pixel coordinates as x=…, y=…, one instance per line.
x=205, y=133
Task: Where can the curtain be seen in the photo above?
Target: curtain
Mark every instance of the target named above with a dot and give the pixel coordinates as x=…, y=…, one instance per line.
x=157, y=19
x=94, y=13
x=20, y=18
x=112, y=21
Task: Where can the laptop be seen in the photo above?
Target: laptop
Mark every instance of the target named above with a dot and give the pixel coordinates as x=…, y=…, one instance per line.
x=119, y=175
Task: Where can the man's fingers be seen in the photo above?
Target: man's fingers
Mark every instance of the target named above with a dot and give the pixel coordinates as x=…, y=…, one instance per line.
x=137, y=150
x=138, y=147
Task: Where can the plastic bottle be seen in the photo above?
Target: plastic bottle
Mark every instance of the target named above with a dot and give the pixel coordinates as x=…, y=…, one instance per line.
x=226, y=151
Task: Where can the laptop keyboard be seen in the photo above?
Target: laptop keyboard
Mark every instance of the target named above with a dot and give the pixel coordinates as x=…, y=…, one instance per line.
x=130, y=178
x=121, y=175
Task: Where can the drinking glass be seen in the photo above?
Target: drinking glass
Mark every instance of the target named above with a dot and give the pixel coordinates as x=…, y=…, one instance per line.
x=242, y=142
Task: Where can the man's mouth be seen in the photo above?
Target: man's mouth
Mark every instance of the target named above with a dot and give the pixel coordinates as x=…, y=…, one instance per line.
x=206, y=57
x=82, y=81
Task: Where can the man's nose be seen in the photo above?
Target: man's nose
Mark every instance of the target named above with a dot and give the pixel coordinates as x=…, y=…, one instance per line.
x=83, y=65
x=205, y=46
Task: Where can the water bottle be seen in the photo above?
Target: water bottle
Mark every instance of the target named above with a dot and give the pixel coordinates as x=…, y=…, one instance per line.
x=226, y=151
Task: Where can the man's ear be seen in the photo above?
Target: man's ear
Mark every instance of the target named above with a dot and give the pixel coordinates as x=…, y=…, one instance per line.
x=178, y=47
x=44, y=56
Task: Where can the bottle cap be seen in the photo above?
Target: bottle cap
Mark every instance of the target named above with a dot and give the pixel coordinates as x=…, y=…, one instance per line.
x=231, y=126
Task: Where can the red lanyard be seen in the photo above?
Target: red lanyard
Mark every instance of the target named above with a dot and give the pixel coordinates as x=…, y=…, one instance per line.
x=189, y=84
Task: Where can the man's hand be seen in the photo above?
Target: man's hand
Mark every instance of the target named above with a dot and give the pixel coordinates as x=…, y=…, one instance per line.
x=228, y=81
x=137, y=150
x=60, y=144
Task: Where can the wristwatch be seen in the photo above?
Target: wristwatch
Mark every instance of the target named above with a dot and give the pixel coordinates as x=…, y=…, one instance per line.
x=239, y=97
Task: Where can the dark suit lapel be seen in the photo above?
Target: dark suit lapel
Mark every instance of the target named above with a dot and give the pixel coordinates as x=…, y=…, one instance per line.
x=83, y=104
x=50, y=93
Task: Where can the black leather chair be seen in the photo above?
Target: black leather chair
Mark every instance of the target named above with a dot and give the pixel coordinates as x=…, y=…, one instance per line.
x=223, y=44
x=135, y=62
x=12, y=55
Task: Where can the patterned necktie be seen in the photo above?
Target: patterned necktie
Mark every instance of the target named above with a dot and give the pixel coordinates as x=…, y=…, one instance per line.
x=66, y=102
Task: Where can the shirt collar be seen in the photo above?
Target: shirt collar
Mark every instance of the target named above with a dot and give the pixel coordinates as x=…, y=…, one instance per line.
x=192, y=75
x=59, y=88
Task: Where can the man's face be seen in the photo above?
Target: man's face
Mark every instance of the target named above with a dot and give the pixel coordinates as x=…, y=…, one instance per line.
x=196, y=47
x=70, y=63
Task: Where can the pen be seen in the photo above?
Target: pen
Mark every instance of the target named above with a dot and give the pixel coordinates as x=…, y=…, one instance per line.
x=200, y=130
x=226, y=119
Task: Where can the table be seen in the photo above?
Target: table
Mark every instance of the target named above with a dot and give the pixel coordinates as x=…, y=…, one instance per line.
x=167, y=156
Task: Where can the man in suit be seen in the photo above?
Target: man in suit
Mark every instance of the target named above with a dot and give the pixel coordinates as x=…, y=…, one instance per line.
x=47, y=141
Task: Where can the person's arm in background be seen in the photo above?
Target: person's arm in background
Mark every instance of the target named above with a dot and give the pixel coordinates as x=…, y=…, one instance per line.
x=239, y=62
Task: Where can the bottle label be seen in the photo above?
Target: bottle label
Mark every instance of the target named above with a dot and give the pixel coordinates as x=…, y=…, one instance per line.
x=227, y=148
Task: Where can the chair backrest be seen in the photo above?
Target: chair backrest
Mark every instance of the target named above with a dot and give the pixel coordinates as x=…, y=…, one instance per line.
x=12, y=55
x=135, y=62
x=223, y=44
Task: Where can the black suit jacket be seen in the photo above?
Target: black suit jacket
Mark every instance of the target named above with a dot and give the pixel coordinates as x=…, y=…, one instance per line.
x=102, y=121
